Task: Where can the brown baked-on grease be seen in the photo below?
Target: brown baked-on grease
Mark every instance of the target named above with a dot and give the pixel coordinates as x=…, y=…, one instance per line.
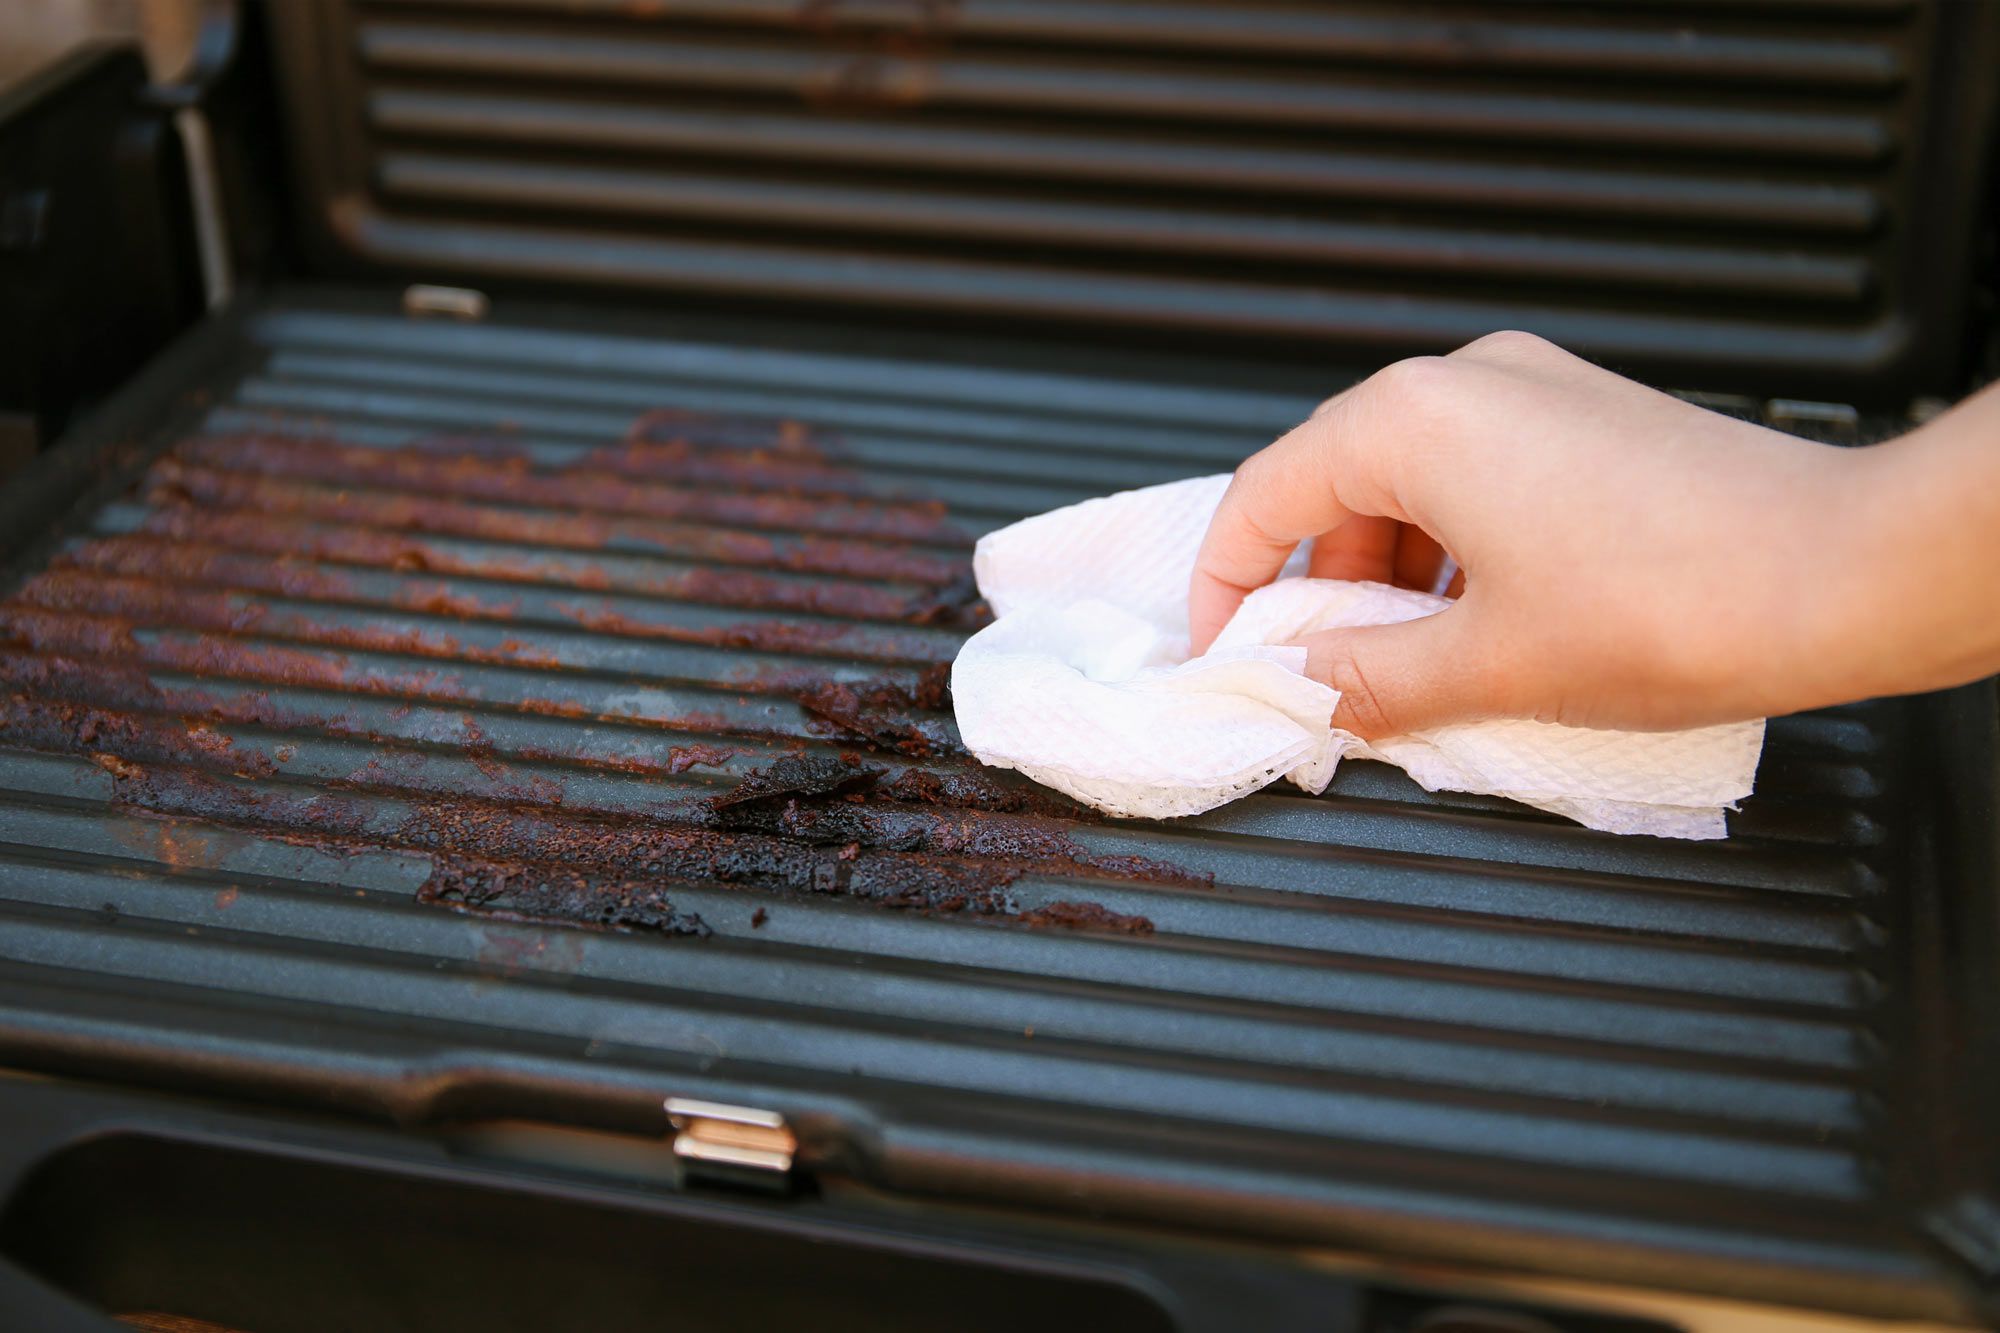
x=534, y=894
x=880, y=713
x=164, y=653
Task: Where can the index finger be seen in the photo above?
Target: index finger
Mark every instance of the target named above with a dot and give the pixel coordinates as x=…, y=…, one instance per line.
x=1280, y=496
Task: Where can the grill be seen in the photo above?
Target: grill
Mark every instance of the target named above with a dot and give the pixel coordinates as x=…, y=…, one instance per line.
x=477, y=793
x=401, y=640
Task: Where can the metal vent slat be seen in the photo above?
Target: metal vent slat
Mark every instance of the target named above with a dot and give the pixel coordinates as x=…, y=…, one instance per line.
x=1076, y=154
x=1458, y=38
x=1125, y=88
x=1180, y=305
x=968, y=216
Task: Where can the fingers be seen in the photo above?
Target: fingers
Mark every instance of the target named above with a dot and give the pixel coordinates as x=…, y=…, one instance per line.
x=1361, y=548
x=1419, y=559
x=1396, y=679
x=1363, y=454
x=1378, y=550
x=1236, y=559
x=1278, y=498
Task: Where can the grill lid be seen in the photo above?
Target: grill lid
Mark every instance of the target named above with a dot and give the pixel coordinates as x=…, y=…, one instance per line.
x=1773, y=199
x=411, y=638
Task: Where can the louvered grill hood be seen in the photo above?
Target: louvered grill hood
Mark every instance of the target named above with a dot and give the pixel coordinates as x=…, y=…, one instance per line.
x=1746, y=197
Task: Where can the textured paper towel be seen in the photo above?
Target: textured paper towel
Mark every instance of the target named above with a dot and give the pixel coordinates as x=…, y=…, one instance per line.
x=1083, y=683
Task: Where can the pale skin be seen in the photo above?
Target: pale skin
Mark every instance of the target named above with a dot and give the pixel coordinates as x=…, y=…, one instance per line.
x=1628, y=559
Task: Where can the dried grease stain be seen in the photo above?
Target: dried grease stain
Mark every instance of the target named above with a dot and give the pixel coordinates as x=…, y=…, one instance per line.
x=778, y=524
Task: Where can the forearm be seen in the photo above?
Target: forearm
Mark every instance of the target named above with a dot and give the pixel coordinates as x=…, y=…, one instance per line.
x=1918, y=562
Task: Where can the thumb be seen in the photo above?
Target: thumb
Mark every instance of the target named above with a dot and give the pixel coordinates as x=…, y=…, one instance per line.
x=1395, y=679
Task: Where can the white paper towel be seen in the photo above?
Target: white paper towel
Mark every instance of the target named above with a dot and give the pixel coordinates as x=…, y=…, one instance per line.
x=1083, y=683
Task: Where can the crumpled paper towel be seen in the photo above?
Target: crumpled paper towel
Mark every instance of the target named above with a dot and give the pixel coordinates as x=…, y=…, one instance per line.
x=1083, y=683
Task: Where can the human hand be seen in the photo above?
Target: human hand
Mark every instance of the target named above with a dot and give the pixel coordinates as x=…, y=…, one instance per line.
x=1630, y=560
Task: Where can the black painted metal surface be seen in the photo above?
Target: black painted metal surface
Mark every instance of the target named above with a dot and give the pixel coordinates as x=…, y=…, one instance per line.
x=1747, y=197
x=401, y=602
x=97, y=257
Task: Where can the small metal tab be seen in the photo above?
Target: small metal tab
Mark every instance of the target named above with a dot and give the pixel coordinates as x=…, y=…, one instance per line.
x=1729, y=404
x=738, y=1145
x=421, y=299
x=1969, y=1226
x=1927, y=408
x=1835, y=421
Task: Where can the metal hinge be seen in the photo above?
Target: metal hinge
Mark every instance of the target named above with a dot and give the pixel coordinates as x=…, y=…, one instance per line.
x=736, y=1145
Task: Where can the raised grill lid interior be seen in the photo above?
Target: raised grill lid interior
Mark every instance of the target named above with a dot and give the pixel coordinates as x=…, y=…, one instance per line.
x=1762, y=197
x=402, y=637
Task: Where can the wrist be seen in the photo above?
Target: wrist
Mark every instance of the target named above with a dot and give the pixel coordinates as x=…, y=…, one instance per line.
x=1912, y=527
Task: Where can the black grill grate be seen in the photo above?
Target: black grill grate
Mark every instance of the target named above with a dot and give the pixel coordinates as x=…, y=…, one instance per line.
x=395, y=609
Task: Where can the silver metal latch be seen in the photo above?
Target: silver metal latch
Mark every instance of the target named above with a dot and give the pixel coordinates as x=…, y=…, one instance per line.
x=424, y=298
x=740, y=1145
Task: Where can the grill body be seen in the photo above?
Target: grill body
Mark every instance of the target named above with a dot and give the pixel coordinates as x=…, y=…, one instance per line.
x=365, y=723
x=494, y=729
